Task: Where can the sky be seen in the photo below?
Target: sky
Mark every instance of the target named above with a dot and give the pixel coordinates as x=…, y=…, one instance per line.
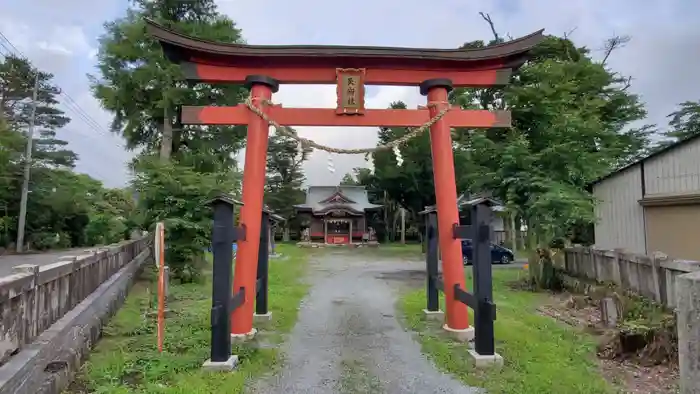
x=662, y=56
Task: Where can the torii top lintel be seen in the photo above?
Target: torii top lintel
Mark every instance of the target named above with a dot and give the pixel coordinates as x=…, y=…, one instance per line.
x=208, y=61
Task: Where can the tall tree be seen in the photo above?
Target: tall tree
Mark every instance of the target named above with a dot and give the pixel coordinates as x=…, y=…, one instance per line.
x=17, y=77
x=684, y=122
x=405, y=184
x=363, y=176
x=349, y=179
x=11, y=147
x=143, y=89
x=410, y=183
x=570, y=120
x=285, y=176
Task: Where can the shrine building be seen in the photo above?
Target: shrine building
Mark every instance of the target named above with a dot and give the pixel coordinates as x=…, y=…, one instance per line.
x=336, y=214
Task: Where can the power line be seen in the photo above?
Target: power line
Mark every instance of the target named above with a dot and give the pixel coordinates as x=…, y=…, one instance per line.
x=69, y=102
x=4, y=38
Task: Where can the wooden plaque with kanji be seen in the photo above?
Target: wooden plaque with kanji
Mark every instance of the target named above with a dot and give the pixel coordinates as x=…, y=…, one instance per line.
x=351, y=91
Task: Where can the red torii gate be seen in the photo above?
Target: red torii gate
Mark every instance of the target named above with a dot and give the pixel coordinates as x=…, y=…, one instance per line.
x=263, y=68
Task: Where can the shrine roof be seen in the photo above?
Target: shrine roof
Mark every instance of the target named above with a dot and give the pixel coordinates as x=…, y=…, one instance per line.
x=320, y=198
x=273, y=216
x=183, y=48
x=466, y=201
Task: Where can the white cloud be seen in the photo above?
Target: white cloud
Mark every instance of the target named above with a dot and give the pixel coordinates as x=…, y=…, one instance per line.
x=54, y=47
x=57, y=44
x=660, y=57
x=105, y=157
x=63, y=40
x=661, y=33
x=71, y=37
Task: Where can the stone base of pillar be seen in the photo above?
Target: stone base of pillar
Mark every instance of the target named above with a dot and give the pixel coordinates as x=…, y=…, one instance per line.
x=262, y=318
x=221, y=366
x=464, y=335
x=434, y=315
x=239, y=338
x=485, y=361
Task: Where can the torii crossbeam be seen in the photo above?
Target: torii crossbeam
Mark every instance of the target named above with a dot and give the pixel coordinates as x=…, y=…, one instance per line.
x=350, y=68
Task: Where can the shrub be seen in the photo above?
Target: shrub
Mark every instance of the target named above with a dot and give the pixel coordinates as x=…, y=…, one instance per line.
x=178, y=196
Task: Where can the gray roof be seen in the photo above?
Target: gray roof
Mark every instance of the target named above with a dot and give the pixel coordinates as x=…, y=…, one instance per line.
x=353, y=198
x=273, y=216
x=655, y=153
x=464, y=200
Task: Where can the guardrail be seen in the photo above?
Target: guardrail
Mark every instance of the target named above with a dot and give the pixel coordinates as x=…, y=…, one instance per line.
x=33, y=297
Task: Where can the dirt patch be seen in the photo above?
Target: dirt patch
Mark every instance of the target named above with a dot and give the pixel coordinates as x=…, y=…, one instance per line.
x=633, y=362
x=636, y=379
x=78, y=386
x=408, y=278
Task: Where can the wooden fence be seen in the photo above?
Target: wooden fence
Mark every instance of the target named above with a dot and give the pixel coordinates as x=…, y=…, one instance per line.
x=33, y=297
x=654, y=277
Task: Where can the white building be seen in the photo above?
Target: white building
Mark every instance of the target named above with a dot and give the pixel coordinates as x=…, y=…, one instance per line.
x=653, y=204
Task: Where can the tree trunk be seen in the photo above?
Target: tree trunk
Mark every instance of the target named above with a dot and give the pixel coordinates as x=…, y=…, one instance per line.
x=403, y=226
x=519, y=233
x=166, y=145
x=177, y=138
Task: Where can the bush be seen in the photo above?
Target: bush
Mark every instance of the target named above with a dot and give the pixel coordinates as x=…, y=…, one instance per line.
x=105, y=230
x=178, y=196
x=544, y=274
x=49, y=240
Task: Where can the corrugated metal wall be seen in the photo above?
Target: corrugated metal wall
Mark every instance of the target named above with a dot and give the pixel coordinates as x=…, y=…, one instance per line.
x=620, y=218
x=674, y=172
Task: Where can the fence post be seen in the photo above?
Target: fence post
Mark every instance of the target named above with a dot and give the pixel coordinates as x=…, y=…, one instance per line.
x=656, y=259
x=261, y=288
x=616, y=266
x=222, y=241
x=482, y=278
x=688, y=298
x=432, y=311
x=30, y=301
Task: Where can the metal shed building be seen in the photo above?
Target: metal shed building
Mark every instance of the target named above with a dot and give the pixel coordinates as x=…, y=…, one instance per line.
x=653, y=204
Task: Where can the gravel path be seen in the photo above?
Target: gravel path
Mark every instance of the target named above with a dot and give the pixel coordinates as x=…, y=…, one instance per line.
x=348, y=339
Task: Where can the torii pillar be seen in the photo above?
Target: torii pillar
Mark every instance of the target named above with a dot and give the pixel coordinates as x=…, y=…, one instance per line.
x=261, y=88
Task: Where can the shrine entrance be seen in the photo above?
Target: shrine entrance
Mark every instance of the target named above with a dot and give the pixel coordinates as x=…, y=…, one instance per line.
x=338, y=229
x=262, y=69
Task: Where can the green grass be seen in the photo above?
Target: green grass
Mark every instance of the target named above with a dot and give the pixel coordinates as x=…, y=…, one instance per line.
x=408, y=251
x=126, y=360
x=522, y=254
x=541, y=355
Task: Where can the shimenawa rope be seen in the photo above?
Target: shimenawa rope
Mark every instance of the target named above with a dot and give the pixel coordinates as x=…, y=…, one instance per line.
x=305, y=142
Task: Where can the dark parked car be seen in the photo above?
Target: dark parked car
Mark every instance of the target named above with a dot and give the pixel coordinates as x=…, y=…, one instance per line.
x=499, y=254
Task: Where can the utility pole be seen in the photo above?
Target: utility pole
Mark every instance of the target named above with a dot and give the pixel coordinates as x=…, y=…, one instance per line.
x=27, y=169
